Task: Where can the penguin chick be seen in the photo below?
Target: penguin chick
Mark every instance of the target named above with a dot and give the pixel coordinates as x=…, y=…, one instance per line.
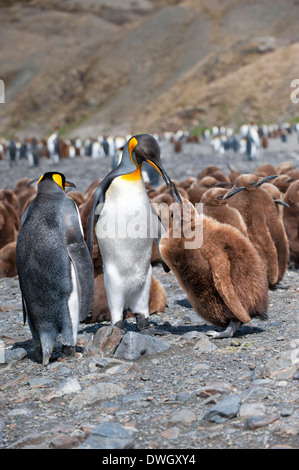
x=294, y=173
x=265, y=170
x=10, y=201
x=224, y=278
x=84, y=210
x=276, y=195
x=200, y=187
x=282, y=182
x=291, y=221
x=77, y=197
x=221, y=177
x=8, y=267
x=121, y=206
x=234, y=174
x=258, y=211
x=215, y=205
x=207, y=171
x=284, y=167
x=54, y=267
x=277, y=229
x=24, y=191
x=186, y=183
x=8, y=232
x=100, y=309
x=90, y=189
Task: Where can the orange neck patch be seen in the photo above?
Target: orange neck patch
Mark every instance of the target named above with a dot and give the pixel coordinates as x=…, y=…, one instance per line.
x=135, y=176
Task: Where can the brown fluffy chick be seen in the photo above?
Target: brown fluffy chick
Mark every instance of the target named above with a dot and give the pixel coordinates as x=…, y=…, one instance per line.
x=8, y=231
x=24, y=191
x=224, y=278
x=282, y=182
x=263, y=224
x=291, y=221
x=197, y=190
x=100, y=309
x=8, y=267
x=215, y=205
x=266, y=169
x=279, y=233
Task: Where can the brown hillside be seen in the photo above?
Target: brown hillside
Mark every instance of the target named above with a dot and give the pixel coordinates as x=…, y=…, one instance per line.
x=130, y=66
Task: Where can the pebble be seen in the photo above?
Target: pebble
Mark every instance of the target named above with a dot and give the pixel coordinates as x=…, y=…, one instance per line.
x=184, y=396
x=255, y=422
x=225, y=409
x=67, y=386
x=64, y=442
x=109, y=436
x=251, y=409
x=283, y=365
x=95, y=393
x=120, y=368
x=183, y=416
x=213, y=389
x=204, y=345
x=171, y=433
x=14, y=355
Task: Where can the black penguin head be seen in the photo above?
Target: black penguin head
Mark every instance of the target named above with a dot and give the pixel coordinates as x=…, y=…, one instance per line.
x=145, y=148
x=57, y=178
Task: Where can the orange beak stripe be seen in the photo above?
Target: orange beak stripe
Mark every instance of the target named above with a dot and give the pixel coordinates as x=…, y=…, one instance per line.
x=155, y=166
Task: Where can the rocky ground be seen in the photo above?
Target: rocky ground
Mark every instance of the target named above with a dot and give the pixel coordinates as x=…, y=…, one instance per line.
x=184, y=390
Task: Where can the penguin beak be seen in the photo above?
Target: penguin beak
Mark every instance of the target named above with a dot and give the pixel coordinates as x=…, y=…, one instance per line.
x=234, y=191
x=173, y=189
x=267, y=178
x=282, y=203
x=33, y=181
x=69, y=184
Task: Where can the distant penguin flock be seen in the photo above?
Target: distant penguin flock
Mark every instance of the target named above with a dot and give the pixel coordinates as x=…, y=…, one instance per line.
x=88, y=257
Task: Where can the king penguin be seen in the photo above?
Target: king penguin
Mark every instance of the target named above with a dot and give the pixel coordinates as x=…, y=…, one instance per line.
x=122, y=215
x=54, y=267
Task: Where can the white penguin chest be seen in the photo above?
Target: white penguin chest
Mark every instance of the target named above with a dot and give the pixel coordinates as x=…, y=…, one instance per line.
x=126, y=213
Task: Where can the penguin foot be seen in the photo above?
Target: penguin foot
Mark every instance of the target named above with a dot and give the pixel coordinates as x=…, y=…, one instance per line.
x=143, y=326
x=120, y=324
x=68, y=351
x=228, y=332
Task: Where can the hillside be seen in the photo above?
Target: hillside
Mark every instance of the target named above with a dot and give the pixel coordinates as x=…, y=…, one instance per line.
x=145, y=65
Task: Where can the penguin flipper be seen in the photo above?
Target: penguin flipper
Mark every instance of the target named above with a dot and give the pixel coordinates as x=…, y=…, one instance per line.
x=82, y=263
x=221, y=271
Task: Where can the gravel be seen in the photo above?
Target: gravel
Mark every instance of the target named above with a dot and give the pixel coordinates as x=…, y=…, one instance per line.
x=195, y=393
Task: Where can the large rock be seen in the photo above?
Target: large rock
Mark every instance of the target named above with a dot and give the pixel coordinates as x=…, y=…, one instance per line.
x=106, y=340
x=134, y=345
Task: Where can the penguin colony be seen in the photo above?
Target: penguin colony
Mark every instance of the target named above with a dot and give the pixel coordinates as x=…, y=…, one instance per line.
x=250, y=236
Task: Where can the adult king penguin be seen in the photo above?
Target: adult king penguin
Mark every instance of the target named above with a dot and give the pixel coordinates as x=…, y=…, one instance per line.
x=54, y=267
x=120, y=206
